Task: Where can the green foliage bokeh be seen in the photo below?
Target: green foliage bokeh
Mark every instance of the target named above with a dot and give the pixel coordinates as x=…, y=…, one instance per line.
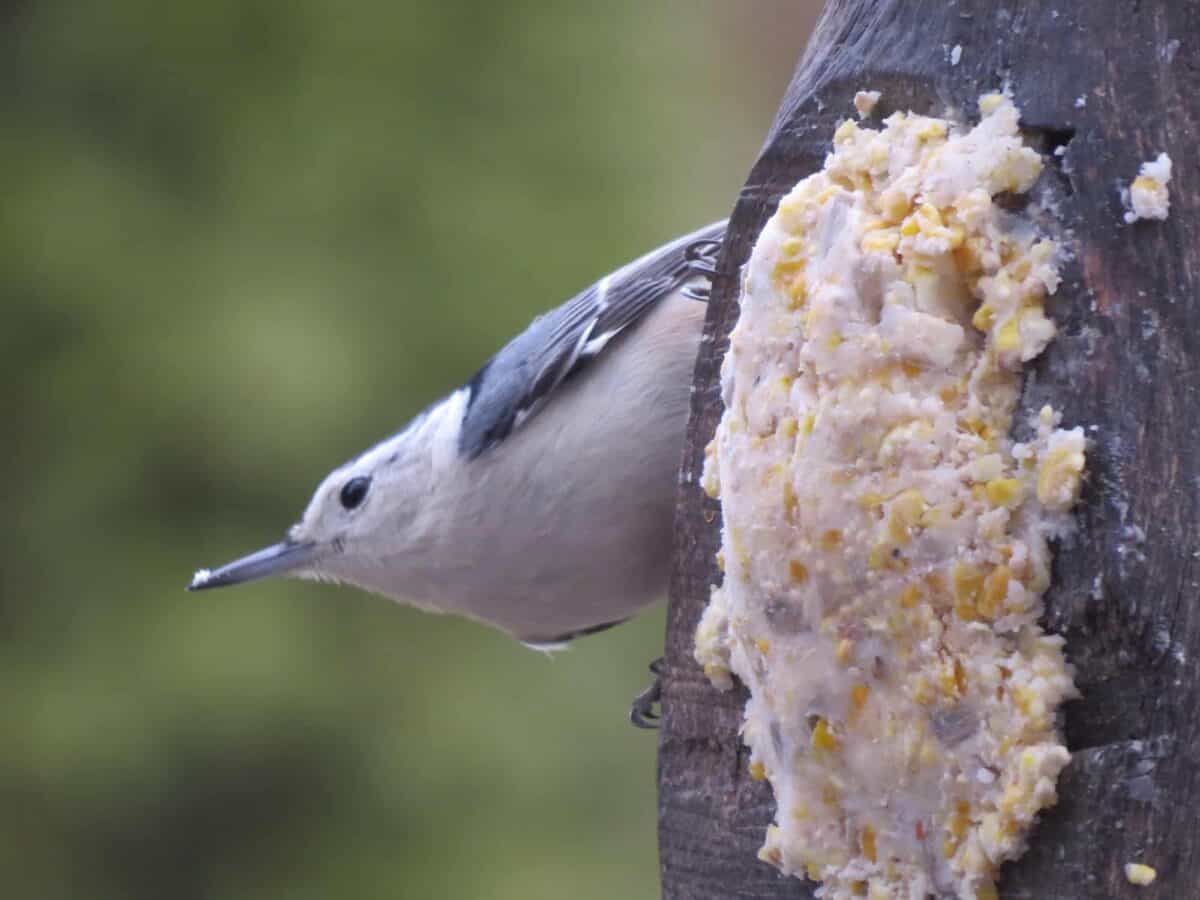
x=239, y=241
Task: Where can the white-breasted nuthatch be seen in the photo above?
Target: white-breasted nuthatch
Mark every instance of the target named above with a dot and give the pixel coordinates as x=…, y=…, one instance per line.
x=538, y=497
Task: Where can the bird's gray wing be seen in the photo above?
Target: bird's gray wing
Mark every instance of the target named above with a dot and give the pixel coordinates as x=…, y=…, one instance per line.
x=518, y=381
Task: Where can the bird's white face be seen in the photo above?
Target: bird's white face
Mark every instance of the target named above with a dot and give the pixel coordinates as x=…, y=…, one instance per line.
x=360, y=515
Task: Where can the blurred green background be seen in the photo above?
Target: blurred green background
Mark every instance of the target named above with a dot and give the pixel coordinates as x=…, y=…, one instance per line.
x=240, y=240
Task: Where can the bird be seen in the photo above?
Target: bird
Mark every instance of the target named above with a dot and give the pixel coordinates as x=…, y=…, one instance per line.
x=538, y=497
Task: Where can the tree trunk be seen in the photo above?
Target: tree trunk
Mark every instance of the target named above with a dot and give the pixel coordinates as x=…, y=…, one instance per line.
x=1126, y=361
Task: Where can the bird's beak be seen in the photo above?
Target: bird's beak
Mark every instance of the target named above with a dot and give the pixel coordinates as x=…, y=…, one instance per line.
x=279, y=559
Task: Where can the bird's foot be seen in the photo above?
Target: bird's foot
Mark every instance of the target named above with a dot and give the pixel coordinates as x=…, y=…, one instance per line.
x=702, y=261
x=702, y=257
x=642, y=713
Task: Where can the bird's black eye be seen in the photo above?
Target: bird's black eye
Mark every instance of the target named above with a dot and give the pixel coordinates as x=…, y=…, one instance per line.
x=354, y=491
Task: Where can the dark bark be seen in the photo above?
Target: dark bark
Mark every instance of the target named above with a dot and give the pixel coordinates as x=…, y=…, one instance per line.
x=1126, y=592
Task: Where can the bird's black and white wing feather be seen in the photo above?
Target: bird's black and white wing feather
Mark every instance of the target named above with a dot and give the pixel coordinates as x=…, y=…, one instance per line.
x=518, y=381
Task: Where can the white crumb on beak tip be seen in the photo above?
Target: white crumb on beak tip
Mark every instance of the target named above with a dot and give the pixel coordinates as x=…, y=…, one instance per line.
x=1148, y=196
x=201, y=577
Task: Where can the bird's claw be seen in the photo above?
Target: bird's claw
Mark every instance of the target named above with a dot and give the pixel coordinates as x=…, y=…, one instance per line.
x=701, y=258
x=641, y=712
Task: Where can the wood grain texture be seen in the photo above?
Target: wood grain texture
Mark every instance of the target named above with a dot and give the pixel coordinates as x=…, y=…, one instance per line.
x=1127, y=361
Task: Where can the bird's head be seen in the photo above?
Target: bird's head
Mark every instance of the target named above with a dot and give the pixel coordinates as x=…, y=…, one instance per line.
x=362, y=520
